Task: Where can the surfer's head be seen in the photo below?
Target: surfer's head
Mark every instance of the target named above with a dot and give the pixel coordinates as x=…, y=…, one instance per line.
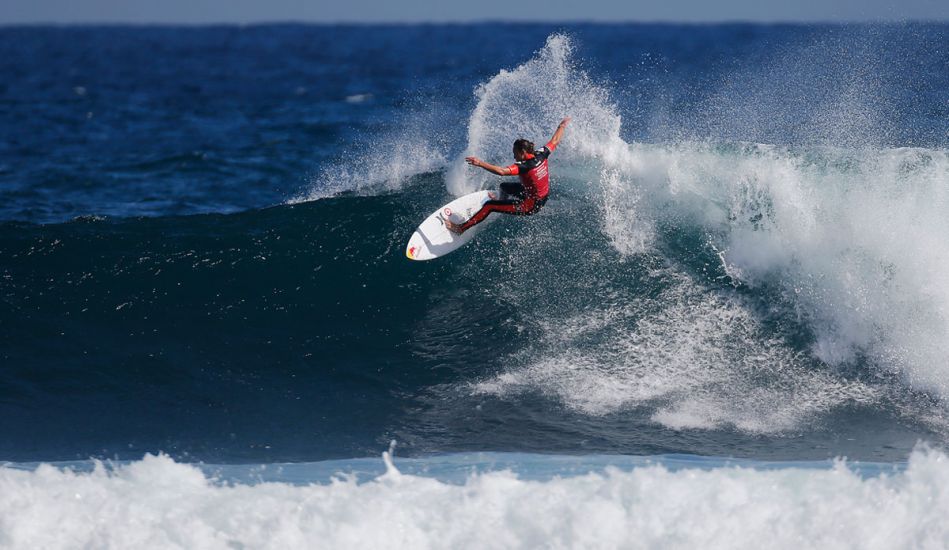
x=523, y=149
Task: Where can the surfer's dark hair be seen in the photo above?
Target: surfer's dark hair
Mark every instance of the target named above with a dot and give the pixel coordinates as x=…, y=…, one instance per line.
x=523, y=146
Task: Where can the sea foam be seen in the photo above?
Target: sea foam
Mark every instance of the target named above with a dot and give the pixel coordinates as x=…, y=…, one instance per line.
x=159, y=503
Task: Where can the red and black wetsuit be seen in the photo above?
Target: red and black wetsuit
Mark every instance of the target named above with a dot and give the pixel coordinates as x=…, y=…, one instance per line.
x=528, y=195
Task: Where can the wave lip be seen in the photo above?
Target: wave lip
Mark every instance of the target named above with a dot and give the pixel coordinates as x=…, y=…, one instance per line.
x=159, y=503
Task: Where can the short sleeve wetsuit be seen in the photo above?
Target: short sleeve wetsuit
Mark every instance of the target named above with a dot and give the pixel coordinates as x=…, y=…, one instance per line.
x=521, y=198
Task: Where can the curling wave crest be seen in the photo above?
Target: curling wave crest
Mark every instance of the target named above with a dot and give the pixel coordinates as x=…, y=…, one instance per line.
x=846, y=247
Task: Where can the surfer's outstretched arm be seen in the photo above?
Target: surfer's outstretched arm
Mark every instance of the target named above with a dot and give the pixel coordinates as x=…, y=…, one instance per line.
x=499, y=170
x=555, y=140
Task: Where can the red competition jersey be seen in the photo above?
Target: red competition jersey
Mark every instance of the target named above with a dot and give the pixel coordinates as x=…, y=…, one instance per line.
x=533, y=172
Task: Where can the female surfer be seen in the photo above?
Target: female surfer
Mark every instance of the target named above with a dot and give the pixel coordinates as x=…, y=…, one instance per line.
x=521, y=198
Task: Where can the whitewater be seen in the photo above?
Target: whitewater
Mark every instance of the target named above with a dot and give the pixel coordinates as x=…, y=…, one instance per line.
x=159, y=503
x=851, y=240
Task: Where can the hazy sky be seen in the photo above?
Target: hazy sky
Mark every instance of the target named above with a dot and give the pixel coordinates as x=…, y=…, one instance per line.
x=327, y=11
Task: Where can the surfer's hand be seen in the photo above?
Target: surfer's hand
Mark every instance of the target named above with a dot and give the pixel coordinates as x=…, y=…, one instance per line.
x=564, y=122
x=474, y=161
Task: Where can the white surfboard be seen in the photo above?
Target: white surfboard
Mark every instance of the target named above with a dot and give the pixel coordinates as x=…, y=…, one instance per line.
x=432, y=239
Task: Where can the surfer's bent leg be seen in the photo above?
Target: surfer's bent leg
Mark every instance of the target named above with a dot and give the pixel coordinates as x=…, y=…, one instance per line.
x=512, y=190
x=524, y=207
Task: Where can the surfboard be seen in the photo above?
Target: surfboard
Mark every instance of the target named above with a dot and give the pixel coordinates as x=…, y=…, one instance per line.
x=432, y=240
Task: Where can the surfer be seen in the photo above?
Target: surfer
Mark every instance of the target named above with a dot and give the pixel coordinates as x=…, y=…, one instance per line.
x=520, y=198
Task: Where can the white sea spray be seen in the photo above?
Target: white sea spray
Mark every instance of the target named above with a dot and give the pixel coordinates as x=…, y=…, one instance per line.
x=159, y=503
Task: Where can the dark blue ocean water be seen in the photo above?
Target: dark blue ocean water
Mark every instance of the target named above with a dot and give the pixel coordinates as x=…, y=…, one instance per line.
x=202, y=231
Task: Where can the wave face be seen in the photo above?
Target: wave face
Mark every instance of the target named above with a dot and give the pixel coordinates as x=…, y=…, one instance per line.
x=300, y=332
x=157, y=502
x=743, y=260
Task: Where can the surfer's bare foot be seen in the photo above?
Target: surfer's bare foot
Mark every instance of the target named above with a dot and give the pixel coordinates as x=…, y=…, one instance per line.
x=454, y=228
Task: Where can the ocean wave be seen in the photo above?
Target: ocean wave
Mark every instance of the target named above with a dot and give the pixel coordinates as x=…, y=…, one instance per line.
x=714, y=287
x=735, y=289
